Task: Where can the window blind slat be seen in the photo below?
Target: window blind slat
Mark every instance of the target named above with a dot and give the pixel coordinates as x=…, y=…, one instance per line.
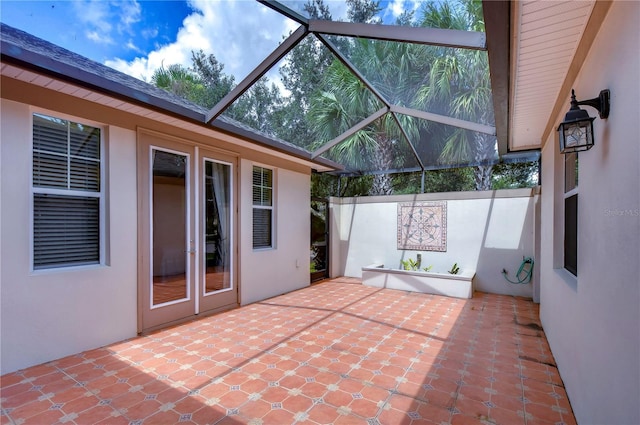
x=49, y=170
x=84, y=141
x=85, y=175
x=65, y=230
x=261, y=228
x=49, y=134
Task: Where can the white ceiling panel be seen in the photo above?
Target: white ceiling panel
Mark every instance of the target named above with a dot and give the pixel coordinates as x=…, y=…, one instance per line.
x=546, y=38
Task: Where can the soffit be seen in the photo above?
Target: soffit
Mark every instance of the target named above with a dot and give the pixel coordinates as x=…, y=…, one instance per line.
x=546, y=35
x=44, y=81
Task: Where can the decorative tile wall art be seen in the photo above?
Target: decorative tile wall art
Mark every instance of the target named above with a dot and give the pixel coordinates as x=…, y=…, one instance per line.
x=422, y=226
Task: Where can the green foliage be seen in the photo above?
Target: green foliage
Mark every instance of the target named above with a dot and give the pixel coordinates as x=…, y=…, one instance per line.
x=459, y=86
x=435, y=181
x=179, y=80
x=449, y=180
x=363, y=11
x=414, y=265
x=409, y=264
x=260, y=108
x=216, y=83
x=301, y=75
x=454, y=269
x=515, y=175
x=326, y=185
x=325, y=99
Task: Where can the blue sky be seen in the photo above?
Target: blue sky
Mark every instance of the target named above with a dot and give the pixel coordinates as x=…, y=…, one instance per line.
x=100, y=30
x=139, y=36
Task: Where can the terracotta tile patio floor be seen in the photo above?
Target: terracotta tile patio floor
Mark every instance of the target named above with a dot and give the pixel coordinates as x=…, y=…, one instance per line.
x=337, y=353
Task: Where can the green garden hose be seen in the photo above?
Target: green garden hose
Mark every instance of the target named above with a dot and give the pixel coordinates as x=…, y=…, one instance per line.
x=525, y=272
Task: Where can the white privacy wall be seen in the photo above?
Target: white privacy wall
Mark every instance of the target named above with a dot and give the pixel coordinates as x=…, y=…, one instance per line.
x=486, y=231
x=592, y=322
x=265, y=273
x=50, y=314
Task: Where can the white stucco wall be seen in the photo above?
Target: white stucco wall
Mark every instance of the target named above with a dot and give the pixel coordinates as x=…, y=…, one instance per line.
x=265, y=273
x=592, y=322
x=486, y=231
x=51, y=314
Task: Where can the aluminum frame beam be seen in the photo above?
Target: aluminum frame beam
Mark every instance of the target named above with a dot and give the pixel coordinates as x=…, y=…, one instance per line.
x=284, y=48
x=286, y=11
x=406, y=136
x=420, y=35
x=350, y=132
x=443, y=119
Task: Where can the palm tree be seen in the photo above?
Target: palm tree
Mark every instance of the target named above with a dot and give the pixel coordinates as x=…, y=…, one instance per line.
x=179, y=80
x=395, y=69
x=459, y=80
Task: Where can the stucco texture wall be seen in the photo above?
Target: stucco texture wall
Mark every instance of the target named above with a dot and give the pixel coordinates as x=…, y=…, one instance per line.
x=592, y=321
x=265, y=273
x=486, y=232
x=50, y=314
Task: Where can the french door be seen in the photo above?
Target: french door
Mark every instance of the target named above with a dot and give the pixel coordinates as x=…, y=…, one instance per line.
x=187, y=231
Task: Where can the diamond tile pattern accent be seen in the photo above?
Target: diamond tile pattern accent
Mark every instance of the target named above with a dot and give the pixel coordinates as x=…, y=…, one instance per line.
x=337, y=352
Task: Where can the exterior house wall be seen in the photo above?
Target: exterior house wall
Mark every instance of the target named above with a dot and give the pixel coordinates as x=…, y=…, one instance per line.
x=46, y=315
x=592, y=322
x=486, y=232
x=269, y=272
x=53, y=313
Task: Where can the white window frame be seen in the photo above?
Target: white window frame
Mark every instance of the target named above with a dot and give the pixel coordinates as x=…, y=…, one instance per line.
x=271, y=207
x=102, y=240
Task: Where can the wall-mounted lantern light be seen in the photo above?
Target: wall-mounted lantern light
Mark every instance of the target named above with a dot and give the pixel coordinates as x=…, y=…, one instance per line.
x=576, y=131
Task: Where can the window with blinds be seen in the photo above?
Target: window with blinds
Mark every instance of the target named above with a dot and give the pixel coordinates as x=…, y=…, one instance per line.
x=67, y=193
x=262, y=207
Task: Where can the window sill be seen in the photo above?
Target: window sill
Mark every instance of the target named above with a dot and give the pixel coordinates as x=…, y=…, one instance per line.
x=266, y=248
x=68, y=269
x=567, y=277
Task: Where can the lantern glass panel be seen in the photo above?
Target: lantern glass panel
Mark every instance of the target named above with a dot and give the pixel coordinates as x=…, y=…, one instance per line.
x=576, y=136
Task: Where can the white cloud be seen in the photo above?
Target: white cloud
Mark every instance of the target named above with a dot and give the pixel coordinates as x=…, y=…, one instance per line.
x=94, y=14
x=97, y=16
x=149, y=33
x=239, y=33
x=131, y=46
x=395, y=8
x=96, y=37
x=130, y=13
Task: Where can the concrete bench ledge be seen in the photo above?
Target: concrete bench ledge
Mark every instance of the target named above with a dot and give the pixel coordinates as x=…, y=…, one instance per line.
x=451, y=285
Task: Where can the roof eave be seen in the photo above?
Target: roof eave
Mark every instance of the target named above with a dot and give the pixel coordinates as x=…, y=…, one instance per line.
x=45, y=65
x=48, y=66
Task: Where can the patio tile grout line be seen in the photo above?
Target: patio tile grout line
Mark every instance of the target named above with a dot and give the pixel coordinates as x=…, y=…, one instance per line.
x=296, y=330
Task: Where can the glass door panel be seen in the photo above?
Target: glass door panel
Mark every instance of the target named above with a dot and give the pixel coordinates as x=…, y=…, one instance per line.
x=217, y=233
x=217, y=226
x=170, y=271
